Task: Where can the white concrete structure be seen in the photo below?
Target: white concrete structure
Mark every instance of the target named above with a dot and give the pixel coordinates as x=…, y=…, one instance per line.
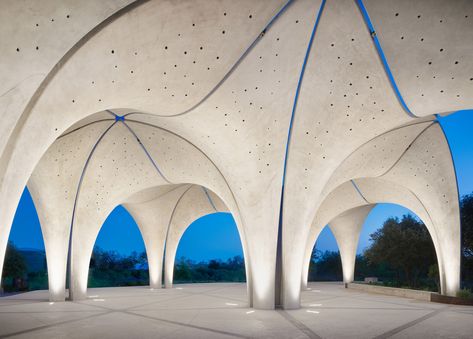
x=290, y=115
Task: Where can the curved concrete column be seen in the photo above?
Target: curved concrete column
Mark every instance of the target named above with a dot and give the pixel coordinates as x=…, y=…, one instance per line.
x=117, y=169
x=48, y=31
x=345, y=100
x=343, y=199
x=211, y=90
x=152, y=210
x=53, y=186
x=254, y=166
x=417, y=151
x=346, y=228
x=205, y=30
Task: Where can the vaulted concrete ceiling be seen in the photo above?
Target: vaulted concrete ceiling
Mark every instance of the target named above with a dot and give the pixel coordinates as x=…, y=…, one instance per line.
x=289, y=115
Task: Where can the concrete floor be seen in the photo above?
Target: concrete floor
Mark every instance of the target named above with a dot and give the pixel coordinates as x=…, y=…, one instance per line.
x=219, y=311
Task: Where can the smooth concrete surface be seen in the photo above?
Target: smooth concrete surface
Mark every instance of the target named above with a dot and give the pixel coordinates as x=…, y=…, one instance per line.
x=398, y=292
x=284, y=111
x=221, y=311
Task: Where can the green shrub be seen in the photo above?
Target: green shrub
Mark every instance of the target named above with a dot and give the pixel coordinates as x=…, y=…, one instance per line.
x=465, y=294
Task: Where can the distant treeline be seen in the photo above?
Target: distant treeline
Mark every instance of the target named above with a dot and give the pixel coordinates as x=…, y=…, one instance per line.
x=401, y=254
x=27, y=270
x=232, y=270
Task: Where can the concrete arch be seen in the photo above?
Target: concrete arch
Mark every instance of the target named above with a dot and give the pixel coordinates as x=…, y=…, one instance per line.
x=245, y=98
x=117, y=164
x=152, y=210
x=372, y=174
x=346, y=229
x=348, y=210
x=195, y=203
x=377, y=172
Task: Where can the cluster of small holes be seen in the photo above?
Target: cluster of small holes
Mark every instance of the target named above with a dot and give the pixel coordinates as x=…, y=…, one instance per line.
x=36, y=25
x=119, y=164
x=171, y=155
x=247, y=103
x=420, y=164
x=183, y=64
x=68, y=154
x=444, y=72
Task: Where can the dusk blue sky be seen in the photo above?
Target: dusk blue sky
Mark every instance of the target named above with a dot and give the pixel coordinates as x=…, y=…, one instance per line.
x=216, y=236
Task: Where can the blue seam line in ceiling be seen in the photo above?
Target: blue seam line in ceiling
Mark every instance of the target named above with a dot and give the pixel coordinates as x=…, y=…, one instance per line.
x=367, y=19
x=81, y=179
x=121, y=118
x=232, y=69
x=195, y=147
x=298, y=88
x=146, y=151
x=279, y=278
x=358, y=190
x=209, y=198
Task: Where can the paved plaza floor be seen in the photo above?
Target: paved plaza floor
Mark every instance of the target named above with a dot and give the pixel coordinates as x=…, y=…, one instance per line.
x=220, y=311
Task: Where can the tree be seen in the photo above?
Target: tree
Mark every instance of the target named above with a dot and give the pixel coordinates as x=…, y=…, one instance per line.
x=15, y=264
x=325, y=266
x=404, y=246
x=466, y=218
x=182, y=271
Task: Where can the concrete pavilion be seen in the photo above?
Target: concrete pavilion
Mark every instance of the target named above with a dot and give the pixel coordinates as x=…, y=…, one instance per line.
x=290, y=115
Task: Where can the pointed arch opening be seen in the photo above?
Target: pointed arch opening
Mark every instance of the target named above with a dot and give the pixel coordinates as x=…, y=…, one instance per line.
x=119, y=257
x=210, y=250
x=25, y=265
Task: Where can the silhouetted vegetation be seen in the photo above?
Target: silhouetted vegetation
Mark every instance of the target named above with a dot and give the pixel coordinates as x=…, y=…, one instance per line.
x=24, y=270
x=401, y=254
x=466, y=208
x=232, y=270
x=109, y=268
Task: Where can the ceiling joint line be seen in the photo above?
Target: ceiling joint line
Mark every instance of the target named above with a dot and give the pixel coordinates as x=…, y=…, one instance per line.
x=201, y=152
x=298, y=88
x=170, y=221
x=83, y=126
x=111, y=113
x=416, y=122
x=76, y=198
x=145, y=150
x=279, y=246
x=381, y=55
x=407, y=149
x=359, y=191
x=231, y=70
x=60, y=64
x=438, y=120
x=209, y=198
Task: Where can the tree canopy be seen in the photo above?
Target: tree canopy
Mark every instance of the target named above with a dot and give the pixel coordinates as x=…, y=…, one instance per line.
x=405, y=246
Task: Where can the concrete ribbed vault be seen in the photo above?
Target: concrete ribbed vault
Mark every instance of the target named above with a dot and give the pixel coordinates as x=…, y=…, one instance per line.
x=290, y=115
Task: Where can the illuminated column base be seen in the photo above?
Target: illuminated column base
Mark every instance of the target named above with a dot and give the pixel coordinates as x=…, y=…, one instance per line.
x=346, y=228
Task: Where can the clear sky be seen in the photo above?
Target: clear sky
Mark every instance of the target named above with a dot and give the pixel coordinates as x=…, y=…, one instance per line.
x=216, y=236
